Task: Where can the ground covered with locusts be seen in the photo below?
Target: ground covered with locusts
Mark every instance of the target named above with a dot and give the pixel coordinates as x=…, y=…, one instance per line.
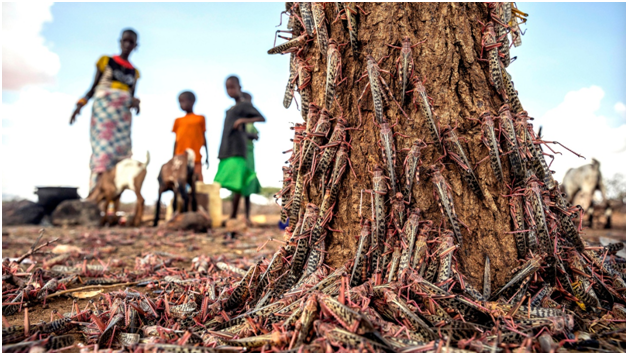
x=125, y=289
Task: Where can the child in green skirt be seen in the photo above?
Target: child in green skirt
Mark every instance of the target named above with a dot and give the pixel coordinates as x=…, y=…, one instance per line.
x=234, y=173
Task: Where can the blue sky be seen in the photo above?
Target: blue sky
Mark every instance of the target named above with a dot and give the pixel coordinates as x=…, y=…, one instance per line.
x=577, y=48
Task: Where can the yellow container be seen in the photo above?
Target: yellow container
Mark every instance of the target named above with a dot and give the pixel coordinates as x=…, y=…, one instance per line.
x=214, y=205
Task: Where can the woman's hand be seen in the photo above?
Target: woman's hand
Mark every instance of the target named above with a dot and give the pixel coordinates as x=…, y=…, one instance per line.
x=135, y=103
x=76, y=112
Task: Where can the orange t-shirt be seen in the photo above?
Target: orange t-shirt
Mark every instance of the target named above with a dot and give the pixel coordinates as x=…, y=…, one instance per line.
x=190, y=131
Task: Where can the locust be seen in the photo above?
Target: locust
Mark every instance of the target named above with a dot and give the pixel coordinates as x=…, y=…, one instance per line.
x=486, y=291
x=490, y=45
x=510, y=138
x=338, y=135
x=405, y=63
x=331, y=192
x=380, y=91
x=582, y=286
x=389, y=151
x=445, y=254
x=244, y=288
x=334, y=72
x=421, y=101
x=490, y=141
x=442, y=193
x=315, y=259
x=321, y=29
x=305, y=79
x=501, y=14
x=289, y=94
x=420, y=247
x=398, y=309
x=535, y=210
x=305, y=322
x=567, y=225
x=517, y=214
x=308, y=18
x=303, y=243
x=380, y=190
x=273, y=270
x=317, y=137
x=398, y=211
x=410, y=166
x=513, y=97
x=394, y=263
x=544, y=292
x=349, y=13
x=391, y=240
x=537, y=160
x=359, y=273
x=291, y=46
x=283, y=194
x=528, y=269
x=514, y=25
x=455, y=151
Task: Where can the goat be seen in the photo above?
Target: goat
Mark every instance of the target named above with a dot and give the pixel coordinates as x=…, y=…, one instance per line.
x=174, y=176
x=128, y=174
x=581, y=183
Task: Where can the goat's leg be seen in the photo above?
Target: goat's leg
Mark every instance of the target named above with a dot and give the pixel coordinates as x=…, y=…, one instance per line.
x=116, y=207
x=157, y=205
x=184, y=197
x=175, y=200
x=193, y=193
x=139, y=209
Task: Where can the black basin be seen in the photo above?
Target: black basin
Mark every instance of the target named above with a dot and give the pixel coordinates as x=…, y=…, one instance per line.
x=51, y=197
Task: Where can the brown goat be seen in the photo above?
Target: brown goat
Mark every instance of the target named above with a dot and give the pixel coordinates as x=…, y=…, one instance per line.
x=175, y=176
x=127, y=174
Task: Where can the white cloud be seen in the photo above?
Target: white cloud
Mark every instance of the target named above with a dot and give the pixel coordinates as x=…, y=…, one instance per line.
x=39, y=147
x=620, y=108
x=26, y=59
x=575, y=124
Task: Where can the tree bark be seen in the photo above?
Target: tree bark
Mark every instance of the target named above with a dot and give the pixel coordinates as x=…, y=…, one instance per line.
x=459, y=85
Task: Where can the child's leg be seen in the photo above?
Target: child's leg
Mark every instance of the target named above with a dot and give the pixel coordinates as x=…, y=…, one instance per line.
x=198, y=171
x=235, y=202
x=247, y=208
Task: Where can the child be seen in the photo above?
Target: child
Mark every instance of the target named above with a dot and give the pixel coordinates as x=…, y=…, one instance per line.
x=233, y=172
x=190, y=133
x=252, y=134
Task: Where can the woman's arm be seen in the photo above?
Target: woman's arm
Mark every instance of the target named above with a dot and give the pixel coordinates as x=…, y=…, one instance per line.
x=87, y=96
x=135, y=102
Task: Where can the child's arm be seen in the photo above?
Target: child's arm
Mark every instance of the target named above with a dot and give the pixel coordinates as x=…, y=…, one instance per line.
x=174, y=151
x=206, y=151
x=243, y=121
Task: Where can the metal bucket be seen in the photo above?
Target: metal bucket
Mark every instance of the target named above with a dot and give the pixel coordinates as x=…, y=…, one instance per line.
x=51, y=197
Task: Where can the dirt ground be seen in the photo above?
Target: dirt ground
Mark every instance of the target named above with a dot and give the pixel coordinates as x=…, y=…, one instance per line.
x=121, y=247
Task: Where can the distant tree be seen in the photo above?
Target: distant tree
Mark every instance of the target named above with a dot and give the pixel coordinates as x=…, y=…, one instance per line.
x=616, y=187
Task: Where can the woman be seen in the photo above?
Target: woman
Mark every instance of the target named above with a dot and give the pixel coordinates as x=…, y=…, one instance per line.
x=113, y=91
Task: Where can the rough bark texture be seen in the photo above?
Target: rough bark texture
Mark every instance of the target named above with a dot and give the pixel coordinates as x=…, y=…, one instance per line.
x=459, y=85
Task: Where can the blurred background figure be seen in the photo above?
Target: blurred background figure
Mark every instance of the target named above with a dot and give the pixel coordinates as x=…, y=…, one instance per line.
x=580, y=185
x=114, y=96
x=234, y=172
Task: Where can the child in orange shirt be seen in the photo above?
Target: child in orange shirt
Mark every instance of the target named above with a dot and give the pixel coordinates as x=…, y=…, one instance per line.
x=190, y=132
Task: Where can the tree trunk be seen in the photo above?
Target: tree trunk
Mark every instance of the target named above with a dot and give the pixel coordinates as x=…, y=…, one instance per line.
x=458, y=84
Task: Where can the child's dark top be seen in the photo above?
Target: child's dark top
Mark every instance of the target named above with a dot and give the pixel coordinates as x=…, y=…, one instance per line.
x=233, y=142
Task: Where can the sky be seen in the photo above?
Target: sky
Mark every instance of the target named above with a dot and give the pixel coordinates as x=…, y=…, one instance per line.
x=570, y=73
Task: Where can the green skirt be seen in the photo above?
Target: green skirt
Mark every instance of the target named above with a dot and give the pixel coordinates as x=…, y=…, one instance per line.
x=234, y=174
x=254, y=186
